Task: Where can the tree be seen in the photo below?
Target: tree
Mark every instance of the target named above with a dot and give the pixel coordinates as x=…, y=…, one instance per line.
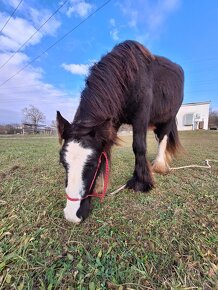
x=33, y=116
x=10, y=129
x=53, y=124
x=213, y=119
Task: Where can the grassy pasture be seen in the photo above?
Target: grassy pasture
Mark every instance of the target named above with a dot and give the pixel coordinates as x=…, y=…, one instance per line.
x=164, y=239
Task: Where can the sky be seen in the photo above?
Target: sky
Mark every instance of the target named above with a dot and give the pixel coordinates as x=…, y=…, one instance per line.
x=45, y=65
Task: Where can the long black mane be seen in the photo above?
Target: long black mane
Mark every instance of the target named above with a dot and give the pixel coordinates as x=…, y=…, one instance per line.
x=110, y=81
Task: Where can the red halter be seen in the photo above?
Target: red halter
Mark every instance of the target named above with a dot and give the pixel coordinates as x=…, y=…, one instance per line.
x=95, y=194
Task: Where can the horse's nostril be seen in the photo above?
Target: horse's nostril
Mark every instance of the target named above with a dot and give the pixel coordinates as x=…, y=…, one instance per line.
x=79, y=216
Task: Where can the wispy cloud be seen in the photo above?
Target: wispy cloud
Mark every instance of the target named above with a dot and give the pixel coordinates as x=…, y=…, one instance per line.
x=13, y=3
x=38, y=17
x=147, y=17
x=28, y=86
x=77, y=69
x=161, y=12
x=34, y=16
x=79, y=7
x=13, y=35
x=112, y=22
x=114, y=32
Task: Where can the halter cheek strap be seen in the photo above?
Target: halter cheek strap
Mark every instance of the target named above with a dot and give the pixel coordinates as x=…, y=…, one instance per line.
x=106, y=177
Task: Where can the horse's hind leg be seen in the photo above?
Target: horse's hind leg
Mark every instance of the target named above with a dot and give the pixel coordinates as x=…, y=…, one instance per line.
x=160, y=164
x=142, y=178
x=168, y=145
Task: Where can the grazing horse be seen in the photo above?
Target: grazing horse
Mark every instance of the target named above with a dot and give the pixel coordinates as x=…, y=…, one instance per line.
x=128, y=85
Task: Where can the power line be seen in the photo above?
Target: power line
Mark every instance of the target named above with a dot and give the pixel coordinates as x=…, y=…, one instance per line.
x=56, y=42
x=11, y=15
x=37, y=30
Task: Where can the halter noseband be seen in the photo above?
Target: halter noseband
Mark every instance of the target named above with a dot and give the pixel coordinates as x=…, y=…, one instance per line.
x=95, y=194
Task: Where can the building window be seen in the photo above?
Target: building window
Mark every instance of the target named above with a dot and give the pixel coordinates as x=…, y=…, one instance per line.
x=188, y=119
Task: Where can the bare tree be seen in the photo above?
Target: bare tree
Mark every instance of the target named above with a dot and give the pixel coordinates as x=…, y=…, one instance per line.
x=33, y=116
x=213, y=119
x=53, y=124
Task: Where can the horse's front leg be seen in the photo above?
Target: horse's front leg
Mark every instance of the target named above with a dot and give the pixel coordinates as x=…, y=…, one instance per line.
x=142, y=177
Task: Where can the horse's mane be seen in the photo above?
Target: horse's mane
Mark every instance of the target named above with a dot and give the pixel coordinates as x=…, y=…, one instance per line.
x=109, y=81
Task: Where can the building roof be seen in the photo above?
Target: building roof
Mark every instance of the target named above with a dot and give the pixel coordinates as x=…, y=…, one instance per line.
x=197, y=103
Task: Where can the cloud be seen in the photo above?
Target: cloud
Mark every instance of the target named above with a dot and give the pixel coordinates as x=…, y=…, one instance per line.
x=38, y=17
x=147, y=17
x=13, y=3
x=112, y=22
x=80, y=8
x=114, y=34
x=28, y=88
x=161, y=11
x=114, y=31
x=129, y=10
x=19, y=58
x=77, y=69
x=13, y=34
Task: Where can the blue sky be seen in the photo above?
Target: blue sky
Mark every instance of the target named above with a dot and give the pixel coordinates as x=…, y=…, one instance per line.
x=184, y=31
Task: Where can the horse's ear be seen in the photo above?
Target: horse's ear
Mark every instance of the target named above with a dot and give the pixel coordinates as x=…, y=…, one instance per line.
x=62, y=125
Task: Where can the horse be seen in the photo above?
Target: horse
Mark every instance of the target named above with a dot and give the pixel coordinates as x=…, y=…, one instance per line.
x=129, y=85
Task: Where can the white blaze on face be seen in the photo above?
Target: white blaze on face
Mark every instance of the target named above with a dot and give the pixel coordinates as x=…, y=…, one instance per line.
x=76, y=157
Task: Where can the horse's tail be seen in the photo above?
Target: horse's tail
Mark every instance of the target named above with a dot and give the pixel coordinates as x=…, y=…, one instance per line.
x=174, y=146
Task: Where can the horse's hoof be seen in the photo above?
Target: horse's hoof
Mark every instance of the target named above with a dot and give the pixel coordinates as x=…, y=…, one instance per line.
x=160, y=167
x=137, y=185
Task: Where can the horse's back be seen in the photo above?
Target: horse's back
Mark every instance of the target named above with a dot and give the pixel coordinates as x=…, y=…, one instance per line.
x=167, y=72
x=168, y=88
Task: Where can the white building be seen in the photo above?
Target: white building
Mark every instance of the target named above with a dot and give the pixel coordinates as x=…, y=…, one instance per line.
x=193, y=116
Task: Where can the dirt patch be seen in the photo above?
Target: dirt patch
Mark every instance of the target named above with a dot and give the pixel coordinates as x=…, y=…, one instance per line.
x=2, y=175
x=13, y=168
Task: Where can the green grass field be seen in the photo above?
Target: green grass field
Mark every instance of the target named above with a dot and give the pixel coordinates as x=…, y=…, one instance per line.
x=164, y=239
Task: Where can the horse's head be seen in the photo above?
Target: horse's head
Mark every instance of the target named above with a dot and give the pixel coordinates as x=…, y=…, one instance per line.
x=79, y=155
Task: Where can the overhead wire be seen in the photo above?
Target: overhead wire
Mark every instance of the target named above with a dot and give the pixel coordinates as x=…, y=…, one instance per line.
x=56, y=42
x=9, y=18
x=37, y=30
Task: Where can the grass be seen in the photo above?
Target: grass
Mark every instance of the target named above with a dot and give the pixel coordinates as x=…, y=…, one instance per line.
x=164, y=239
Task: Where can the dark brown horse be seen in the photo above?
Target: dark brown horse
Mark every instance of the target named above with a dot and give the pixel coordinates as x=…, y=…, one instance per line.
x=128, y=85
